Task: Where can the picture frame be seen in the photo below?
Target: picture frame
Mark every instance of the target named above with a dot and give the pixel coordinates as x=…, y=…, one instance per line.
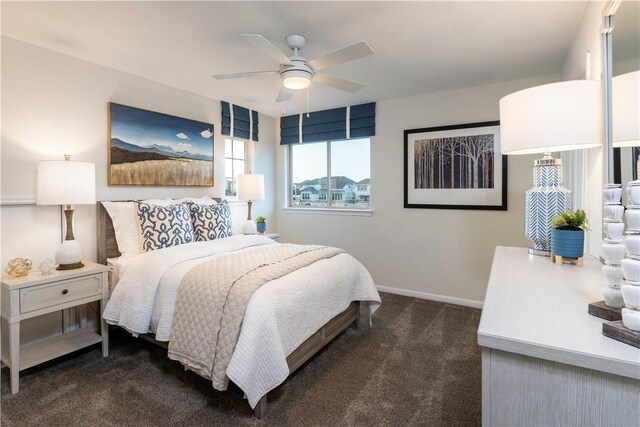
x=455, y=167
x=155, y=149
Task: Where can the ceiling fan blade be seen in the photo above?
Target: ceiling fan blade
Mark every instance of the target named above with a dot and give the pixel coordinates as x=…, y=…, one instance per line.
x=284, y=95
x=238, y=75
x=346, y=54
x=267, y=47
x=338, y=83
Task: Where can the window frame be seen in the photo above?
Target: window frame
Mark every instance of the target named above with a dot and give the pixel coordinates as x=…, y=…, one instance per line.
x=247, y=167
x=329, y=207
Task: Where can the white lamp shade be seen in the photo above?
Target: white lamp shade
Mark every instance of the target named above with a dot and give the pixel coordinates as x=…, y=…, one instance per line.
x=625, y=110
x=63, y=182
x=554, y=117
x=251, y=187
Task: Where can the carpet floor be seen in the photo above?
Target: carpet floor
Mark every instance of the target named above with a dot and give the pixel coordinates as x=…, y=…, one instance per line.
x=418, y=366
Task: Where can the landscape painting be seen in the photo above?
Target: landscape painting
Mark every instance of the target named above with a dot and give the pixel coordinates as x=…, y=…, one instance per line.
x=455, y=167
x=149, y=148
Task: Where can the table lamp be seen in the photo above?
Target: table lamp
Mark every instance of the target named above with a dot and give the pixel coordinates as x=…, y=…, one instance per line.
x=67, y=183
x=250, y=188
x=545, y=119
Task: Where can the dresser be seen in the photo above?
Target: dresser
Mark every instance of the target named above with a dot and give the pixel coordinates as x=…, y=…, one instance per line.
x=36, y=294
x=545, y=361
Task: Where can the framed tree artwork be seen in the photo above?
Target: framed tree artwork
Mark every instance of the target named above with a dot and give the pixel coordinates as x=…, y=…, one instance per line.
x=455, y=167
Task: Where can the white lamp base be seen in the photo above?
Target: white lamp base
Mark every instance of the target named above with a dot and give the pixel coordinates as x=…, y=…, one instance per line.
x=249, y=227
x=69, y=255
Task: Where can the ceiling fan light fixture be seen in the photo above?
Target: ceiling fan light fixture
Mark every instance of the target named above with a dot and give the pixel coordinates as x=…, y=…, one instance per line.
x=296, y=79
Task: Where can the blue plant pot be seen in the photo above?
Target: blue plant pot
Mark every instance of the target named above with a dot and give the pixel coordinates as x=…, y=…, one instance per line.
x=261, y=227
x=567, y=243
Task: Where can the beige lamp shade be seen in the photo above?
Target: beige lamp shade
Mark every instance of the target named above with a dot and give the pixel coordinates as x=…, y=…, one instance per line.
x=251, y=187
x=554, y=117
x=625, y=110
x=63, y=182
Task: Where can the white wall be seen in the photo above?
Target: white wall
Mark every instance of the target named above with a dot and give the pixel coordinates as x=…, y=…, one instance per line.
x=426, y=251
x=589, y=39
x=53, y=104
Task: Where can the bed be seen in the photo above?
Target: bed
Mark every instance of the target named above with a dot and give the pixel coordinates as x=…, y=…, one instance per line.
x=287, y=320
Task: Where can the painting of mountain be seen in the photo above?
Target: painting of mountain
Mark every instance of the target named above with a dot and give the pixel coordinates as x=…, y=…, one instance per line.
x=149, y=148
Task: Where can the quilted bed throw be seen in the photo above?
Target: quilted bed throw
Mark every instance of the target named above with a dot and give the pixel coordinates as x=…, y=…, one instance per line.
x=213, y=297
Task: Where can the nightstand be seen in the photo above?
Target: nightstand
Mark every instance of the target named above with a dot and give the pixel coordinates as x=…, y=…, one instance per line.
x=36, y=294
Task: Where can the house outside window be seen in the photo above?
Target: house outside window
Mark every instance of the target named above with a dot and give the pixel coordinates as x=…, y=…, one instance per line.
x=235, y=163
x=332, y=174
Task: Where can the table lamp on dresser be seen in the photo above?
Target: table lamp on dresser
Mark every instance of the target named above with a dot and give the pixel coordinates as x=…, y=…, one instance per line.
x=66, y=183
x=545, y=119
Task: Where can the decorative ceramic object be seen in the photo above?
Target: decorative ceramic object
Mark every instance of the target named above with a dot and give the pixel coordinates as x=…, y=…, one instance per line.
x=631, y=265
x=18, y=267
x=613, y=252
x=633, y=191
x=612, y=296
x=612, y=275
x=631, y=269
x=613, y=212
x=632, y=243
x=613, y=230
x=611, y=196
x=546, y=198
x=631, y=319
x=631, y=295
x=47, y=266
x=633, y=217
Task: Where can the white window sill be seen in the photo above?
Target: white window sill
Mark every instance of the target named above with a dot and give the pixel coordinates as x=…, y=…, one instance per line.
x=328, y=211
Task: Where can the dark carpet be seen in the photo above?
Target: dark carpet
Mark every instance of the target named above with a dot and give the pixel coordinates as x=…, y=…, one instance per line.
x=418, y=366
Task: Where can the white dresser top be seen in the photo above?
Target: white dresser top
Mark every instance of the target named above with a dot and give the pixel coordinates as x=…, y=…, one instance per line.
x=536, y=308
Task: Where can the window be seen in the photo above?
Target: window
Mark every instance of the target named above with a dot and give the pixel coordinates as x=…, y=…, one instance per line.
x=333, y=174
x=235, y=161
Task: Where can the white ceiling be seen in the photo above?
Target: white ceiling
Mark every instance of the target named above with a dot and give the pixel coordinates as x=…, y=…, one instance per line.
x=421, y=47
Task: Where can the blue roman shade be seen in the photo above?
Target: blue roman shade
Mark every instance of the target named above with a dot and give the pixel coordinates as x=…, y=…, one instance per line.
x=358, y=121
x=362, y=120
x=290, y=129
x=325, y=125
x=239, y=122
x=254, y=128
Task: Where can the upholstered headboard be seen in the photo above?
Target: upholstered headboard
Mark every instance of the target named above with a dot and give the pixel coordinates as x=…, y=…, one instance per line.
x=107, y=244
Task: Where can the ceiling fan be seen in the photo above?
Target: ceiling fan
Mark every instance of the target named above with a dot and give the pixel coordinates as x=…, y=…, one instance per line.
x=296, y=72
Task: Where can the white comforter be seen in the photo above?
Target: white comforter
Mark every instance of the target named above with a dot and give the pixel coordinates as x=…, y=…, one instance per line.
x=280, y=316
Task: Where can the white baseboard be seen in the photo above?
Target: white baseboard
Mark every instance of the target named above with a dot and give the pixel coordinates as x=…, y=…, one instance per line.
x=432, y=297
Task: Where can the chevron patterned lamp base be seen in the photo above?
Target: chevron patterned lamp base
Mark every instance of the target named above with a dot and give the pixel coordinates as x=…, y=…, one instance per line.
x=545, y=199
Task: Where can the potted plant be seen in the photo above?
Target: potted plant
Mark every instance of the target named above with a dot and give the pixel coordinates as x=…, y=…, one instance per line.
x=567, y=233
x=261, y=224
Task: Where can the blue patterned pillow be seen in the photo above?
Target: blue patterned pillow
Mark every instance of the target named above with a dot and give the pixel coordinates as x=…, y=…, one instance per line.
x=211, y=222
x=164, y=226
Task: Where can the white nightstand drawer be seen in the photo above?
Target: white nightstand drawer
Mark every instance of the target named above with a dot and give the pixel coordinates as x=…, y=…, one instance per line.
x=37, y=297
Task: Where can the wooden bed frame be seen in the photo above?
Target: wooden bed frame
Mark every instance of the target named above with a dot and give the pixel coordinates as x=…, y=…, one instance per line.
x=108, y=248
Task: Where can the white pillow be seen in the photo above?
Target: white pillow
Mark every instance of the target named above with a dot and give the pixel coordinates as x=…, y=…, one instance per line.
x=125, y=224
x=201, y=201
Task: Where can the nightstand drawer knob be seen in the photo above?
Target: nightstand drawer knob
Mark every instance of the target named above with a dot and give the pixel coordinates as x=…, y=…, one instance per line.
x=66, y=291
